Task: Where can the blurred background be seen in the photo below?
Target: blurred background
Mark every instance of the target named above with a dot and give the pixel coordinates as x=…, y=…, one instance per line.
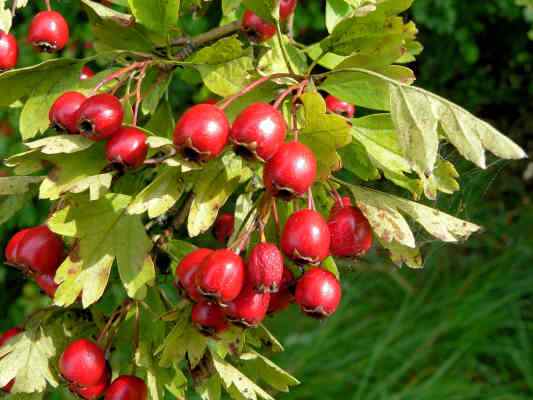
x=462, y=327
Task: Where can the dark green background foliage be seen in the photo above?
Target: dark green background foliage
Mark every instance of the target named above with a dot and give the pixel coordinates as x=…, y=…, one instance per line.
x=462, y=328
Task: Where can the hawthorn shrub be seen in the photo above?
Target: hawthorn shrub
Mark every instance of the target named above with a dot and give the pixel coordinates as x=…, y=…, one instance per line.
x=171, y=237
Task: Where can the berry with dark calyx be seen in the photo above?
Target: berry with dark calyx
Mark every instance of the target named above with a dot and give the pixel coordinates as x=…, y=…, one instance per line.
x=306, y=237
x=37, y=248
x=286, y=8
x=249, y=308
x=86, y=73
x=127, y=147
x=4, y=338
x=100, y=117
x=127, y=387
x=258, y=132
x=257, y=29
x=47, y=284
x=63, y=114
x=92, y=392
x=201, y=133
x=186, y=273
x=265, y=268
x=284, y=296
x=9, y=51
x=291, y=172
x=351, y=234
x=344, y=201
x=223, y=228
x=337, y=106
x=221, y=276
x=318, y=293
x=209, y=318
x=83, y=363
x=48, y=31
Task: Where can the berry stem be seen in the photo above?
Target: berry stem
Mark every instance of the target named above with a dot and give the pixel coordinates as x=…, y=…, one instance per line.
x=310, y=200
x=138, y=94
x=284, y=95
x=120, y=72
x=136, y=335
x=48, y=6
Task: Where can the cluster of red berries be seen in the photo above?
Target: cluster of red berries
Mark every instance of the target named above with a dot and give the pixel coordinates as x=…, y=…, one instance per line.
x=259, y=30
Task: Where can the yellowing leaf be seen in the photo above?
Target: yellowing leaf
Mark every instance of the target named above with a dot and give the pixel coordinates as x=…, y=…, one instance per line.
x=17, y=184
x=269, y=372
x=61, y=144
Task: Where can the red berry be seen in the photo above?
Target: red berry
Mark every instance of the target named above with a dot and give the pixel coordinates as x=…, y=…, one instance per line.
x=318, y=293
x=221, y=276
x=100, y=116
x=291, y=171
x=202, y=132
x=337, y=106
x=351, y=234
x=265, y=267
x=127, y=387
x=306, y=237
x=344, y=201
x=47, y=284
x=83, y=363
x=256, y=28
x=37, y=248
x=86, y=73
x=9, y=51
x=92, y=392
x=48, y=31
x=249, y=308
x=63, y=114
x=3, y=340
x=286, y=8
x=210, y=101
x=223, y=228
x=127, y=147
x=284, y=296
x=186, y=272
x=258, y=132
x=209, y=318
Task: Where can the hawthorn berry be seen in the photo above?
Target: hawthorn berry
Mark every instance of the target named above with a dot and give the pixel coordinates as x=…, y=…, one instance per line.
x=127, y=147
x=249, y=308
x=318, y=293
x=100, y=116
x=4, y=338
x=47, y=284
x=63, y=114
x=127, y=387
x=286, y=8
x=92, y=392
x=351, y=234
x=186, y=273
x=339, y=204
x=37, y=248
x=221, y=276
x=83, y=363
x=86, y=73
x=306, y=237
x=284, y=296
x=258, y=132
x=201, y=133
x=257, y=29
x=291, y=172
x=209, y=318
x=9, y=51
x=265, y=268
x=337, y=106
x=223, y=228
x=48, y=31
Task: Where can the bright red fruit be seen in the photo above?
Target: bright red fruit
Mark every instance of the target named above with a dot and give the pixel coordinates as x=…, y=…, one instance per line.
x=265, y=267
x=257, y=29
x=258, y=132
x=286, y=8
x=9, y=51
x=3, y=340
x=92, y=392
x=100, y=116
x=47, y=284
x=337, y=106
x=291, y=172
x=249, y=308
x=221, y=276
x=284, y=296
x=37, y=248
x=127, y=147
x=351, y=234
x=202, y=132
x=63, y=114
x=83, y=363
x=86, y=73
x=48, y=31
x=209, y=318
x=223, y=228
x=127, y=387
x=318, y=293
x=186, y=272
x=306, y=237
x=344, y=201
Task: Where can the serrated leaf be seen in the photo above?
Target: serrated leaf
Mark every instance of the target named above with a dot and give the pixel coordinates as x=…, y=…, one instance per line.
x=61, y=144
x=17, y=184
x=273, y=375
x=444, y=179
x=157, y=15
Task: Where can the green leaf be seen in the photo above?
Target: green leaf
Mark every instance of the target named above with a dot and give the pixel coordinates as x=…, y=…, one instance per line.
x=330, y=265
x=177, y=249
x=266, y=338
x=243, y=207
x=400, y=254
x=266, y=9
x=210, y=389
x=336, y=11
x=61, y=144
x=162, y=121
x=273, y=62
x=226, y=78
x=223, y=50
x=269, y=372
x=17, y=184
x=323, y=133
x=356, y=160
x=10, y=205
x=157, y=15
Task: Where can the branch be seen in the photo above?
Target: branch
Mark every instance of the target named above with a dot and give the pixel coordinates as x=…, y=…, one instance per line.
x=208, y=36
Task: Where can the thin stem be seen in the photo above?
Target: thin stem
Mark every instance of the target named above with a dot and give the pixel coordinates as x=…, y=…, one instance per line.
x=284, y=95
x=275, y=215
x=14, y=8
x=119, y=73
x=136, y=335
x=282, y=47
x=290, y=27
x=315, y=63
x=48, y=6
x=138, y=94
